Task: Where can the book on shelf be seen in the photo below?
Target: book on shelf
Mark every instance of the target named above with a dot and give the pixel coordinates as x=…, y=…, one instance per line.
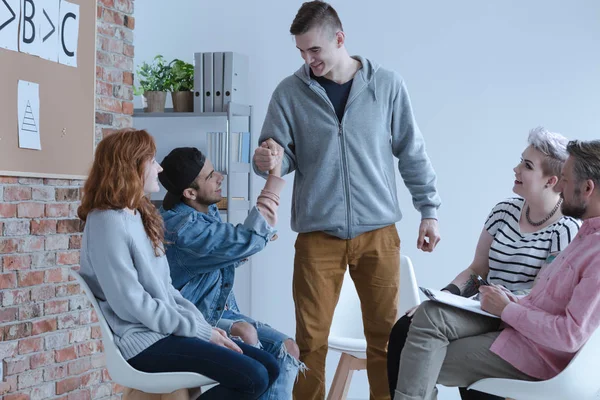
x=217, y=148
x=222, y=204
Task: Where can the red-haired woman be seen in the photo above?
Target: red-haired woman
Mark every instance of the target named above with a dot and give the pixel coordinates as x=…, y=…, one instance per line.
x=123, y=262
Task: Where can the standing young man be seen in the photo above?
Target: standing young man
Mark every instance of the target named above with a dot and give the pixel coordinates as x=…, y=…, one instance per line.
x=340, y=120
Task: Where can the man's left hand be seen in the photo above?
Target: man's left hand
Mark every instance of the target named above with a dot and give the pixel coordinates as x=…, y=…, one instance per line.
x=493, y=299
x=429, y=235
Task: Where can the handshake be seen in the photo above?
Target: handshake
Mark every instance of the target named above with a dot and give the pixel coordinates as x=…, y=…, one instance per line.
x=268, y=157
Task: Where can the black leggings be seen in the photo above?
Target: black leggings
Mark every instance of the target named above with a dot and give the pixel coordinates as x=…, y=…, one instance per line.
x=395, y=346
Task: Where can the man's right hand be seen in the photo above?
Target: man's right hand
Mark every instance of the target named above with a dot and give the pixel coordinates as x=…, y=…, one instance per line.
x=510, y=294
x=268, y=157
x=219, y=337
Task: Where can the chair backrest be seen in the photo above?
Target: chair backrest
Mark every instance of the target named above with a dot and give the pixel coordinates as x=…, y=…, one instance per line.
x=583, y=369
x=115, y=363
x=124, y=374
x=579, y=380
x=409, y=291
x=347, y=319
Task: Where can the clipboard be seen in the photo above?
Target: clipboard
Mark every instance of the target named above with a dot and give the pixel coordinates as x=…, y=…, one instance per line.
x=456, y=301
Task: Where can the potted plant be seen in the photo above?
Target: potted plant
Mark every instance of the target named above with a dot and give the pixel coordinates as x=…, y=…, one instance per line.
x=181, y=83
x=153, y=84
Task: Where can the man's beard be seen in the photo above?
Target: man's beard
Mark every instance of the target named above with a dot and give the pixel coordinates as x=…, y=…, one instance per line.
x=577, y=210
x=206, y=201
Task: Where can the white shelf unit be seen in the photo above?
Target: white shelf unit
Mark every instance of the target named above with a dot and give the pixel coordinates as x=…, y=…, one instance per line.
x=171, y=130
x=182, y=129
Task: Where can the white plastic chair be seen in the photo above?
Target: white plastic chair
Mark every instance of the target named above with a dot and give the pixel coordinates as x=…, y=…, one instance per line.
x=124, y=374
x=578, y=381
x=347, y=333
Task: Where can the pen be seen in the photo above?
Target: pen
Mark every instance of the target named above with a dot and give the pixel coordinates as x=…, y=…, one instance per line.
x=481, y=281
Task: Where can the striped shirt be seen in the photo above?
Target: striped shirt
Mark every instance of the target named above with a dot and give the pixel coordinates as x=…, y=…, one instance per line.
x=516, y=258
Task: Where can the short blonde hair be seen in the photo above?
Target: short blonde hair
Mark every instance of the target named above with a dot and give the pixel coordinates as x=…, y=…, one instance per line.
x=553, y=146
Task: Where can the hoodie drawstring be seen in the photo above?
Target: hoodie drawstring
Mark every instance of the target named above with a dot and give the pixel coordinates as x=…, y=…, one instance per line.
x=375, y=86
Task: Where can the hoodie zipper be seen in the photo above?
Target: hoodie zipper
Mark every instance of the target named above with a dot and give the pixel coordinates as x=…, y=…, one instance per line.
x=320, y=91
x=346, y=177
x=344, y=157
x=343, y=148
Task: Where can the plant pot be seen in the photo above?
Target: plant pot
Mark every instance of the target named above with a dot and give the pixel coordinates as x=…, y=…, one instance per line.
x=183, y=101
x=155, y=101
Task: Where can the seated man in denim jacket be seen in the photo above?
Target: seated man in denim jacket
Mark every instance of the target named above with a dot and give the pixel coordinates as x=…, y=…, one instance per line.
x=203, y=253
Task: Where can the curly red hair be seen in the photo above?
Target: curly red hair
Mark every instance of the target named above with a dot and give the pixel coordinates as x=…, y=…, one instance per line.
x=116, y=181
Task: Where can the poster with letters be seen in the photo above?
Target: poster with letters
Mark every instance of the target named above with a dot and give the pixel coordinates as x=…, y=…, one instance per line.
x=28, y=37
x=9, y=24
x=69, y=33
x=45, y=28
x=47, y=23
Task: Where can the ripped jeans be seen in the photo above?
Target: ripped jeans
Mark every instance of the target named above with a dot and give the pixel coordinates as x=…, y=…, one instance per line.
x=271, y=341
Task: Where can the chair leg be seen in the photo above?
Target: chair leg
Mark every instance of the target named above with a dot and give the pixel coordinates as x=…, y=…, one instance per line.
x=343, y=376
x=195, y=393
x=134, y=394
x=181, y=394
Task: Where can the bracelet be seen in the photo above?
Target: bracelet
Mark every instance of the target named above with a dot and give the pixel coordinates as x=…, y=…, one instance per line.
x=452, y=288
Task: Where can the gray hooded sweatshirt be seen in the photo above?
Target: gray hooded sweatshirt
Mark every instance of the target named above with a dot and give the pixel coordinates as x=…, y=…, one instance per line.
x=345, y=183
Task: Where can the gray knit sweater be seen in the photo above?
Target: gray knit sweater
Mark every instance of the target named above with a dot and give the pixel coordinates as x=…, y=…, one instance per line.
x=133, y=286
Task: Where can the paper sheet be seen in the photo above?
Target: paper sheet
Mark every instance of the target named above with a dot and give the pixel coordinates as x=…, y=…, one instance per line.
x=9, y=24
x=28, y=38
x=456, y=301
x=48, y=32
x=29, y=115
x=69, y=33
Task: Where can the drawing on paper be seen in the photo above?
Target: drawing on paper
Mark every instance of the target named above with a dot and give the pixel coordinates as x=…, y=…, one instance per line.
x=29, y=115
x=28, y=123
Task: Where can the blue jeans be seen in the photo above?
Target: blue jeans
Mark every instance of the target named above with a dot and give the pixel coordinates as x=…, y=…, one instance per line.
x=241, y=376
x=271, y=341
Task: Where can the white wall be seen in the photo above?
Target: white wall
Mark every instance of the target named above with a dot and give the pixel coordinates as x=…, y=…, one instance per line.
x=480, y=75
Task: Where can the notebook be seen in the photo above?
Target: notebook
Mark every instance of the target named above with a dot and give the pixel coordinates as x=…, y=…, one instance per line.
x=456, y=301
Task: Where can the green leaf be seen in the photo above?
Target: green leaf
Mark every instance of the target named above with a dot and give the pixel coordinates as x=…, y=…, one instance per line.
x=180, y=76
x=153, y=76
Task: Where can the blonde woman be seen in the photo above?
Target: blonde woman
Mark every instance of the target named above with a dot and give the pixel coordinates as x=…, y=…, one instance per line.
x=520, y=236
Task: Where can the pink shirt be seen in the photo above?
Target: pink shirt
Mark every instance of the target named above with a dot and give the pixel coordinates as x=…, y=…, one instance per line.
x=547, y=327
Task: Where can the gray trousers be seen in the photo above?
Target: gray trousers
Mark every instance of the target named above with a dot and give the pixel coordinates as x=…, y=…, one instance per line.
x=449, y=346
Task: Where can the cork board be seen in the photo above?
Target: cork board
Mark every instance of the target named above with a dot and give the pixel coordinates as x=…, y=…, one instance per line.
x=66, y=104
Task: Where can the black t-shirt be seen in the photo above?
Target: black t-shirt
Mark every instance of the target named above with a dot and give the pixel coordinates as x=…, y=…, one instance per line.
x=338, y=94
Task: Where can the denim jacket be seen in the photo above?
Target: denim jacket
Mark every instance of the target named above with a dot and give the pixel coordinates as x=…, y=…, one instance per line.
x=203, y=252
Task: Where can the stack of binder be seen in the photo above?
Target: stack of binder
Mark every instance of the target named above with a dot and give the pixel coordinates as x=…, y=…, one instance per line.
x=219, y=78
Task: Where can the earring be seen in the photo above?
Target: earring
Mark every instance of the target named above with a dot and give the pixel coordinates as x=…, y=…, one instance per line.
x=546, y=186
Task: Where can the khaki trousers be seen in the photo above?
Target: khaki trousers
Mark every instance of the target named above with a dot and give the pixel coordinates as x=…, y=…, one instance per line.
x=449, y=346
x=320, y=262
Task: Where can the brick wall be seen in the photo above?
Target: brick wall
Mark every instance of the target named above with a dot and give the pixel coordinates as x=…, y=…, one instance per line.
x=49, y=345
